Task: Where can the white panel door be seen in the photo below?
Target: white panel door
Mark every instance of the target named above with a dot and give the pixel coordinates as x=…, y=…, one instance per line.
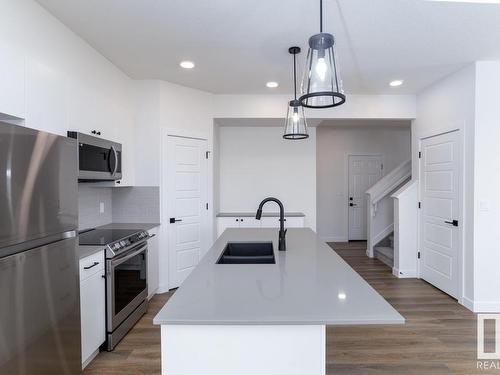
x=187, y=188
x=364, y=171
x=440, y=191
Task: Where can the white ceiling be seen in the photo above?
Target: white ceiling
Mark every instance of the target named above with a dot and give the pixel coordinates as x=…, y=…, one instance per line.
x=240, y=45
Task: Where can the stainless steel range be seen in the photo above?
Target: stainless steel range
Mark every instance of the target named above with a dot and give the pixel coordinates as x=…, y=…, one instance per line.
x=126, y=278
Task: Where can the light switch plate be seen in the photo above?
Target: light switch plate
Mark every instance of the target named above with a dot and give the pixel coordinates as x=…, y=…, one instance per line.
x=484, y=206
x=101, y=207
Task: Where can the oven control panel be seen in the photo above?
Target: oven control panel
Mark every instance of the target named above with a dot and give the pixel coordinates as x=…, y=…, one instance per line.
x=118, y=246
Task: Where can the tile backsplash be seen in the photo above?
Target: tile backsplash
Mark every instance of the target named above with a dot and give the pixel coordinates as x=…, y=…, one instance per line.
x=89, y=206
x=101, y=205
x=138, y=204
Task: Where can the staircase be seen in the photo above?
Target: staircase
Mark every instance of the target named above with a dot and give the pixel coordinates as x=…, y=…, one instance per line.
x=380, y=215
x=384, y=250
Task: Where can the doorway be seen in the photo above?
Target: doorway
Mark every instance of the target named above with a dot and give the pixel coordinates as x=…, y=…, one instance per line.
x=363, y=172
x=441, y=212
x=186, y=205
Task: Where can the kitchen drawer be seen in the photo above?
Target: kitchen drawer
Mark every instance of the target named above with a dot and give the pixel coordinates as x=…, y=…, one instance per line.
x=91, y=265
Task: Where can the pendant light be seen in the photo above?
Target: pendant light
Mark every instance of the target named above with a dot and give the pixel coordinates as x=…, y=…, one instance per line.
x=321, y=84
x=295, y=125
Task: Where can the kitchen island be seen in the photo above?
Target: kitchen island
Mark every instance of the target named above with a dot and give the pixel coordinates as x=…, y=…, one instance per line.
x=265, y=318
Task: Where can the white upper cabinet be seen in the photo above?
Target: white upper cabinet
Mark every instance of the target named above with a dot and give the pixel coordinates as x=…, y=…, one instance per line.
x=46, y=99
x=53, y=100
x=12, y=78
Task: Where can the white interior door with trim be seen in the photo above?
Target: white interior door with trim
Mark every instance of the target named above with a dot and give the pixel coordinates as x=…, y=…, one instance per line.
x=363, y=172
x=440, y=219
x=187, y=198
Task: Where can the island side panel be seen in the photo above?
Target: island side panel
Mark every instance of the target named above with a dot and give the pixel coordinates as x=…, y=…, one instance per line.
x=243, y=349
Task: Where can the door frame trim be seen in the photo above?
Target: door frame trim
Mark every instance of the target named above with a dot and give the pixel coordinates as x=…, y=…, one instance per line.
x=461, y=205
x=346, y=185
x=164, y=240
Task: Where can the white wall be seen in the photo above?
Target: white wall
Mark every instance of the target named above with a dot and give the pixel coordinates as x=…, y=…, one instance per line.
x=256, y=162
x=163, y=105
x=486, y=188
x=57, y=82
x=445, y=106
x=163, y=108
x=356, y=107
x=333, y=146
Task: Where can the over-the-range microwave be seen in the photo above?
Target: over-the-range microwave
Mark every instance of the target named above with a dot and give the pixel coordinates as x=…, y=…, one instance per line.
x=98, y=159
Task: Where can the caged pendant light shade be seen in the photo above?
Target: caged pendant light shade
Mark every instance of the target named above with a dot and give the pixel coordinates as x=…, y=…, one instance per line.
x=321, y=84
x=295, y=123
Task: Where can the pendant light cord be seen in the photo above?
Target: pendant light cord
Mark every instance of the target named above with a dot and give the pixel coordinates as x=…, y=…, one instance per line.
x=295, y=76
x=320, y=16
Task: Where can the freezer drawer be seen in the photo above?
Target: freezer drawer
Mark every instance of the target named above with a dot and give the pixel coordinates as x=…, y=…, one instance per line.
x=40, y=311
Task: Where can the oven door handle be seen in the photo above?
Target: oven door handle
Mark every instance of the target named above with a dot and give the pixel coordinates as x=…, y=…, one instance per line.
x=127, y=257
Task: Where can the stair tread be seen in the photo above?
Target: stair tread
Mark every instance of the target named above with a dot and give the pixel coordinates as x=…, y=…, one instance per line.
x=386, y=251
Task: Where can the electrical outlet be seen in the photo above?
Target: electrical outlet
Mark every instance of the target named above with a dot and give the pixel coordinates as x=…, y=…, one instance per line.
x=101, y=207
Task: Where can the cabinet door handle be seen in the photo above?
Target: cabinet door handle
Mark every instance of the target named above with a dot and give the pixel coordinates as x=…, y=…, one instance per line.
x=174, y=220
x=453, y=222
x=92, y=266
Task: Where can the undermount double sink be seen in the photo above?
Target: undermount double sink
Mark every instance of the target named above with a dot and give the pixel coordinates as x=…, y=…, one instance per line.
x=247, y=253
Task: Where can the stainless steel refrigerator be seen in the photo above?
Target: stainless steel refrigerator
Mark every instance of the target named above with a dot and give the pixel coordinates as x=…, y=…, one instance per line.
x=39, y=282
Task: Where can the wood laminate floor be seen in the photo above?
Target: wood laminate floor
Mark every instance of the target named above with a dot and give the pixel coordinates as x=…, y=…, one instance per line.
x=439, y=336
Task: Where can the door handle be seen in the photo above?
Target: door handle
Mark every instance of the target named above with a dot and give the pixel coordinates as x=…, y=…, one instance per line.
x=174, y=220
x=113, y=170
x=453, y=222
x=353, y=205
x=89, y=267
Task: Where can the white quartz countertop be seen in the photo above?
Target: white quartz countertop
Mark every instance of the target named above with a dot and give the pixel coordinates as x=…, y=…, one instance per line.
x=309, y=284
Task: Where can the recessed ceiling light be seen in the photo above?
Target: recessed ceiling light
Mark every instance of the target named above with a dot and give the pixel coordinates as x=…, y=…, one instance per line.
x=342, y=296
x=187, y=64
x=396, y=83
x=272, y=84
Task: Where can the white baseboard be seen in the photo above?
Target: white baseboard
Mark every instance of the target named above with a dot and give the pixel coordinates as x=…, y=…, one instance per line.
x=404, y=274
x=467, y=303
x=487, y=307
x=481, y=306
x=333, y=239
x=162, y=289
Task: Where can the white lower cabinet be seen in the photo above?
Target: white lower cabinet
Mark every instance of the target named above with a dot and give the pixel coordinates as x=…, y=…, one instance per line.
x=226, y=222
x=92, y=305
x=249, y=222
x=290, y=222
x=153, y=261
